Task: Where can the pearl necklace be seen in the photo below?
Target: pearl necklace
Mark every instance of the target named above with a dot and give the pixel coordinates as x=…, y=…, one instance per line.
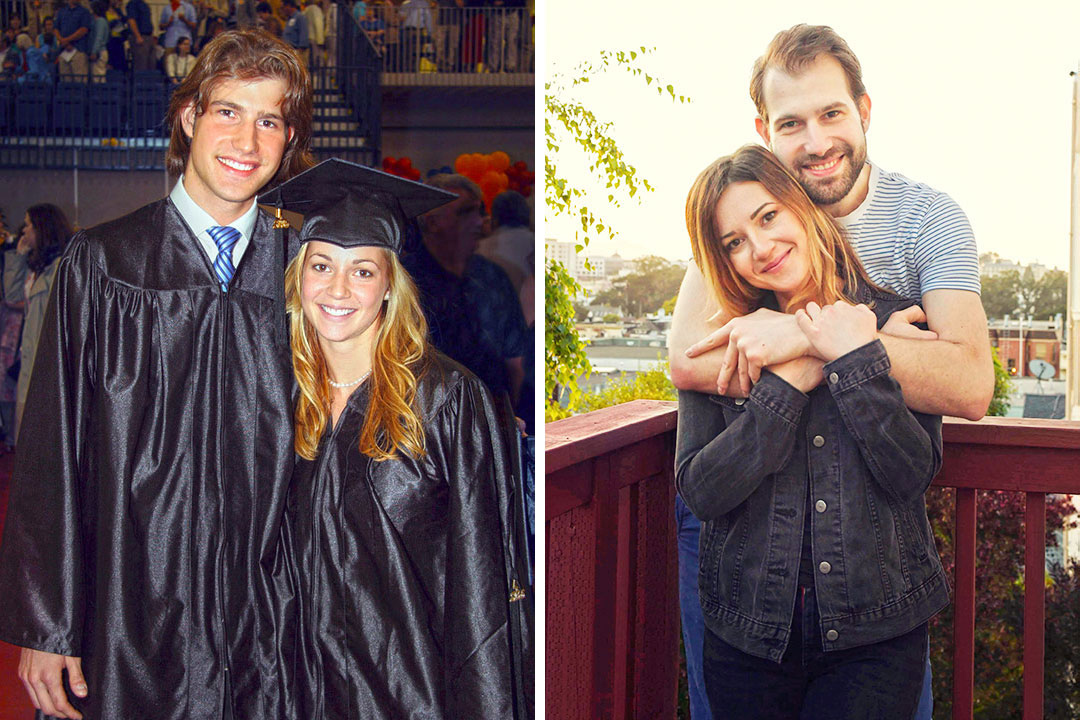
x=359, y=380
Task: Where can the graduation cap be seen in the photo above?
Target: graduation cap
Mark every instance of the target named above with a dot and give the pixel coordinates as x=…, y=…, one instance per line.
x=353, y=205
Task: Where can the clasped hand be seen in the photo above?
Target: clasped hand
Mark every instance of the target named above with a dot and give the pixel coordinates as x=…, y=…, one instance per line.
x=836, y=329
x=767, y=338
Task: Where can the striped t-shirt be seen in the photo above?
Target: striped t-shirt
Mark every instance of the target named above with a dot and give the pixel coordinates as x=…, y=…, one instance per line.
x=911, y=238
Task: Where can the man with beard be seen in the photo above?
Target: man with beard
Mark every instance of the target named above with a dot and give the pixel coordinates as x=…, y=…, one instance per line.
x=813, y=113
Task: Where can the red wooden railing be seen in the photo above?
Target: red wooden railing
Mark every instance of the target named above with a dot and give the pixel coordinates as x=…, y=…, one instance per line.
x=612, y=596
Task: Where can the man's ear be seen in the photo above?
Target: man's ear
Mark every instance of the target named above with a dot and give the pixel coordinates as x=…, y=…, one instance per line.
x=762, y=128
x=864, y=111
x=187, y=119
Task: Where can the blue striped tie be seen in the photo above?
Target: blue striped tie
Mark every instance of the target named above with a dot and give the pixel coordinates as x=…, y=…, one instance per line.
x=226, y=238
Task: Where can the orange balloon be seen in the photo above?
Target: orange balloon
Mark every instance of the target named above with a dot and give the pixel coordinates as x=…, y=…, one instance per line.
x=500, y=161
x=491, y=182
x=461, y=163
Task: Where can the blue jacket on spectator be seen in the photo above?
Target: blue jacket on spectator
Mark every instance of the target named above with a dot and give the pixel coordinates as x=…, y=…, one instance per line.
x=296, y=31
x=845, y=467
x=69, y=19
x=99, y=35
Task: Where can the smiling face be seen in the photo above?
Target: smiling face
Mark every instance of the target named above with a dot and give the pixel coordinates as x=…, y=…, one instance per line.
x=818, y=131
x=236, y=145
x=342, y=295
x=763, y=240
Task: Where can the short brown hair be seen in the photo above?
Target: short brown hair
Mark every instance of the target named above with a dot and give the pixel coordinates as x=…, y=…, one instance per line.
x=835, y=270
x=793, y=49
x=246, y=55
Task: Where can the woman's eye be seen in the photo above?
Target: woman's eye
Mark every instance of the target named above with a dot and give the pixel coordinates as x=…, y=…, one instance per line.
x=767, y=217
x=319, y=267
x=733, y=243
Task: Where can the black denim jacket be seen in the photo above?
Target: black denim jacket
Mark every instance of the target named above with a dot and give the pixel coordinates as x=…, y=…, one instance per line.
x=744, y=468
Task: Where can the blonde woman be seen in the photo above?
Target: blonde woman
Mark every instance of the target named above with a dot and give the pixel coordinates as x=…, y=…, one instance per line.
x=396, y=520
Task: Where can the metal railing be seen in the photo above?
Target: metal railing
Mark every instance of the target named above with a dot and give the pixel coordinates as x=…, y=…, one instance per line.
x=117, y=122
x=612, y=598
x=414, y=38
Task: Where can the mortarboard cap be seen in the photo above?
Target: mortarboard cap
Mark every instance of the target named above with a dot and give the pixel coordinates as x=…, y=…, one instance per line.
x=353, y=205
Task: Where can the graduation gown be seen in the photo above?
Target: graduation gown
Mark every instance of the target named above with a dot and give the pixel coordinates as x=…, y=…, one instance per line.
x=403, y=567
x=151, y=474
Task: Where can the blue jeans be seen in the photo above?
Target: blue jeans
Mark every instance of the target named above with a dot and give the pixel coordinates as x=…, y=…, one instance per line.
x=688, y=528
x=926, y=699
x=881, y=681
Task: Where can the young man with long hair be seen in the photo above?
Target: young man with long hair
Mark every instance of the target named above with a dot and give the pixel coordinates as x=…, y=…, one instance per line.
x=157, y=439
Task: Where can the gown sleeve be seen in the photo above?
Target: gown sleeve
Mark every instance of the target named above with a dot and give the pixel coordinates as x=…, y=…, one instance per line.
x=477, y=604
x=43, y=558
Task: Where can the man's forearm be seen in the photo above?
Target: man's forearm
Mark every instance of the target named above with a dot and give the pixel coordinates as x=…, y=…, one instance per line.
x=941, y=377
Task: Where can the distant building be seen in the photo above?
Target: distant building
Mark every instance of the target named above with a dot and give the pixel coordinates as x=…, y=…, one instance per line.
x=562, y=252
x=992, y=264
x=1019, y=343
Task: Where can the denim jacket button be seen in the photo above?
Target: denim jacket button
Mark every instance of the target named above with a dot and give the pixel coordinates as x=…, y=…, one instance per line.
x=820, y=506
x=825, y=567
x=833, y=378
x=740, y=401
x=818, y=441
x=831, y=635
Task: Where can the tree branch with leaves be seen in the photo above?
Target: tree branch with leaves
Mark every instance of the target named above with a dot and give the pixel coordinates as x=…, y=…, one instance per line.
x=569, y=122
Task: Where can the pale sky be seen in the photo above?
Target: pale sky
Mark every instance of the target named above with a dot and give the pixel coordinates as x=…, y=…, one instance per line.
x=974, y=99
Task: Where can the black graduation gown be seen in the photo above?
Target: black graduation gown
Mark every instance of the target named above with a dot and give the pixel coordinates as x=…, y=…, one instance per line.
x=151, y=474
x=403, y=566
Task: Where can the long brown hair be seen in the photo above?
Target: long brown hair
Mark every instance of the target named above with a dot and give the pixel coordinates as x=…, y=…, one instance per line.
x=392, y=424
x=53, y=231
x=245, y=55
x=835, y=271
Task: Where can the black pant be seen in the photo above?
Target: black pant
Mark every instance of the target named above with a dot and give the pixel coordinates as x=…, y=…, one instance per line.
x=873, y=682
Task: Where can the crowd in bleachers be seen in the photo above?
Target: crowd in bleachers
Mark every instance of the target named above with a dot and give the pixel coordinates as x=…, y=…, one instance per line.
x=471, y=36
x=82, y=40
x=77, y=40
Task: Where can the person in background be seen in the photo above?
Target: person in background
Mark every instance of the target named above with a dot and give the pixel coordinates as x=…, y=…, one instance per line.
x=180, y=63
x=13, y=29
x=178, y=19
x=316, y=22
x=99, y=38
x=142, y=40
x=267, y=20
x=374, y=27
x=296, y=31
x=46, y=41
x=73, y=25
x=29, y=270
x=214, y=26
x=119, y=31
x=11, y=317
x=511, y=242
x=471, y=307
x=34, y=65
x=36, y=12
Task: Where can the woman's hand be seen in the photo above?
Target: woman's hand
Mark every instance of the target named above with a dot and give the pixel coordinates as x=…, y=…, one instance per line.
x=803, y=373
x=25, y=245
x=837, y=329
